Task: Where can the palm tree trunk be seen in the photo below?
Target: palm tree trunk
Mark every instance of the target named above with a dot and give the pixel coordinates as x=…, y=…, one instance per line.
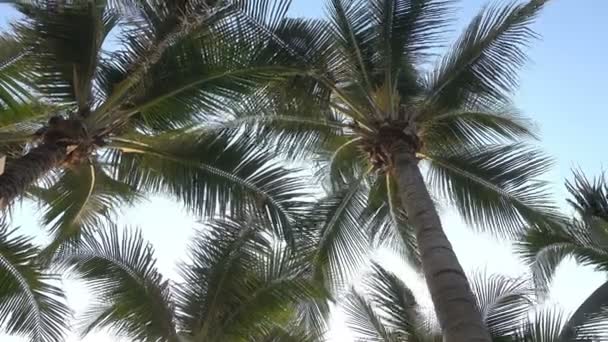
x=593, y=304
x=451, y=293
x=22, y=172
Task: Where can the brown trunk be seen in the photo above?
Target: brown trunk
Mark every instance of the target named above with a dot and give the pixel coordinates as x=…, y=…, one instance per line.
x=22, y=172
x=451, y=293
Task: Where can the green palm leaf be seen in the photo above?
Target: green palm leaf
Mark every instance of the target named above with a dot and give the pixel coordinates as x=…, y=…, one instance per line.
x=227, y=292
x=333, y=236
x=30, y=303
x=482, y=66
x=210, y=175
x=80, y=201
x=504, y=302
x=493, y=187
x=133, y=299
x=64, y=42
x=13, y=72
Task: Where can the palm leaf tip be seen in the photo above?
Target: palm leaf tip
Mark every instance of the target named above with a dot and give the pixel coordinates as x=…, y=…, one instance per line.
x=120, y=270
x=483, y=65
x=495, y=186
x=30, y=304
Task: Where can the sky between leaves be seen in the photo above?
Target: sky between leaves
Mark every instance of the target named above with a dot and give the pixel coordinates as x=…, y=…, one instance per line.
x=563, y=90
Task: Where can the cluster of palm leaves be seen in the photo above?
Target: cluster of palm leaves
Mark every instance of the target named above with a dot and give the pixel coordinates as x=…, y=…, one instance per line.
x=212, y=102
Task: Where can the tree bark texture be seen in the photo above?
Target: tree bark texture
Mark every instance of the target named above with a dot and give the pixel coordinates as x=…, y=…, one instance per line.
x=22, y=172
x=454, y=302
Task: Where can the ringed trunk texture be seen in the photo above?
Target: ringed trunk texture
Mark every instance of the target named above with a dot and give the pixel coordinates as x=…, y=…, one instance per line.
x=20, y=173
x=454, y=303
x=593, y=304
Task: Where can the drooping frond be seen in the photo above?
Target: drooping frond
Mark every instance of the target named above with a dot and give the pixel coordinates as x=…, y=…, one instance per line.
x=30, y=302
x=471, y=127
x=388, y=220
x=333, y=235
x=364, y=321
x=504, y=302
x=131, y=298
x=210, y=175
x=396, y=302
x=63, y=41
x=226, y=290
x=83, y=199
x=585, y=238
x=14, y=74
x=482, y=66
x=544, y=325
x=493, y=187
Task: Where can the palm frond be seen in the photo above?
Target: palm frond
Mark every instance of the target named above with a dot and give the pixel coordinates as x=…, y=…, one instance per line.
x=333, y=236
x=349, y=28
x=589, y=197
x=396, y=301
x=30, y=302
x=504, y=302
x=64, y=42
x=13, y=73
x=470, y=127
x=82, y=200
x=364, y=321
x=494, y=186
x=403, y=32
x=218, y=278
x=210, y=175
x=482, y=66
x=544, y=325
x=132, y=298
x=389, y=226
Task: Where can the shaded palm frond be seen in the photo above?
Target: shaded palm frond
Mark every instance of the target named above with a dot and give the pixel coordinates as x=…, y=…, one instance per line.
x=227, y=291
x=64, y=42
x=494, y=186
x=364, y=321
x=544, y=325
x=132, y=298
x=31, y=304
x=482, y=66
x=471, y=127
x=82, y=200
x=14, y=74
x=589, y=197
x=388, y=225
x=332, y=237
x=210, y=175
x=504, y=302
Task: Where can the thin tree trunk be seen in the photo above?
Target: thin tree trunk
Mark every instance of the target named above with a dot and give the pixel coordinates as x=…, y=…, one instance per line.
x=451, y=293
x=593, y=304
x=22, y=172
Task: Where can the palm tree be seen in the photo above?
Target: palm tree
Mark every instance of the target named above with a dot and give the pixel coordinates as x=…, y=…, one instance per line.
x=127, y=83
x=585, y=239
x=386, y=310
x=31, y=304
x=362, y=98
x=238, y=285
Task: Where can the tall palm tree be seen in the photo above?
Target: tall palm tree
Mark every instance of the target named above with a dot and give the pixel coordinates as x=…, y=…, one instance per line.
x=366, y=98
x=238, y=285
x=585, y=239
x=128, y=82
x=31, y=304
x=386, y=310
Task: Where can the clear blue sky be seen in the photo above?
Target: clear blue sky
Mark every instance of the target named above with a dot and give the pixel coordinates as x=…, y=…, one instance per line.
x=563, y=90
